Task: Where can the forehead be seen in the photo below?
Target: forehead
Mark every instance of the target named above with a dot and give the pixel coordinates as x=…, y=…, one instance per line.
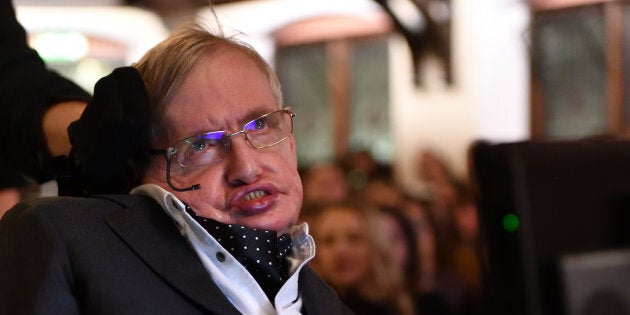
x=225, y=89
x=352, y=218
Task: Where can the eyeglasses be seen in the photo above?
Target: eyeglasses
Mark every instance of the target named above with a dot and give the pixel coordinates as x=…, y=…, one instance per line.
x=212, y=147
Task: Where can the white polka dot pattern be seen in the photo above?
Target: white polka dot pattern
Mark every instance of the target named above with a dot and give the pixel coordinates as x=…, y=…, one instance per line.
x=261, y=252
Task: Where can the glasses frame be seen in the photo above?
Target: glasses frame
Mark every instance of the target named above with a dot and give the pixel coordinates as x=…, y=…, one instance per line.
x=172, y=150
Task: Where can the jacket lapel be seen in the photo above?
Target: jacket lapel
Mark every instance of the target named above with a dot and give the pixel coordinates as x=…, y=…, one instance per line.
x=152, y=235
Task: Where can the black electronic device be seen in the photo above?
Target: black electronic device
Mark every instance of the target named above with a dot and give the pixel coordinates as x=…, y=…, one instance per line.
x=551, y=213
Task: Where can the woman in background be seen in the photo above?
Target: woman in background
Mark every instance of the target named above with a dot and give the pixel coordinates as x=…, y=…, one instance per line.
x=353, y=256
x=407, y=250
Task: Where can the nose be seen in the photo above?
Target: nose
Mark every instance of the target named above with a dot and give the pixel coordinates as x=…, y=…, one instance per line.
x=242, y=167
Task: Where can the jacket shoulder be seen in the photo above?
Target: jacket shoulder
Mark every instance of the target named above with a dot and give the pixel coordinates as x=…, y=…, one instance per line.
x=63, y=207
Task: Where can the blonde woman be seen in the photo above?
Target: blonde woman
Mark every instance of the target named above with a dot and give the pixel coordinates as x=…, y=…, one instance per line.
x=354, y=257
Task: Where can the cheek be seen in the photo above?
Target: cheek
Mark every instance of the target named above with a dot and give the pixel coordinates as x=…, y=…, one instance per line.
x=328, y=261
x=211, y=176
x=287, y=161
x=324, y=257
x=290, y=153
x=298, y=190
x=210, y=196
x=361, y=253
x=156, y=172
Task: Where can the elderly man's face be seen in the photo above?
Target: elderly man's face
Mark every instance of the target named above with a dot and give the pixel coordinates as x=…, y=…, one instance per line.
x=258, y=188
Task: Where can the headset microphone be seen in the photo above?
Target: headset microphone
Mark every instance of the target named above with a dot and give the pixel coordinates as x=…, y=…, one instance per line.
x=193, y=187
x=168, y=180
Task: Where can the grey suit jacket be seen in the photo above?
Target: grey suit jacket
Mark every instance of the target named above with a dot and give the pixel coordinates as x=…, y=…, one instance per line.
x=113, y=255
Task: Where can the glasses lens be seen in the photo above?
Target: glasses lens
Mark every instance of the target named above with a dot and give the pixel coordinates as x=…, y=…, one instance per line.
x=269, y=129
x=201, y=149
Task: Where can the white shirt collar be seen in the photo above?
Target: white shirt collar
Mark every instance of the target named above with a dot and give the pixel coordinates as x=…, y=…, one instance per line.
x=230, y=276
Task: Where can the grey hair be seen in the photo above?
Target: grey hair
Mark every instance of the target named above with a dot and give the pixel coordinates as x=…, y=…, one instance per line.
x=164, y=67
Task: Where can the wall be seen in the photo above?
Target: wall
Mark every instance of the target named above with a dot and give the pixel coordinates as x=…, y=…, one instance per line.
x=489, y=101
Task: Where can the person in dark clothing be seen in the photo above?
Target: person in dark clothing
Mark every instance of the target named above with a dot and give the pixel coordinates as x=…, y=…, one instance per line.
x=36, y=107
x=189, y=165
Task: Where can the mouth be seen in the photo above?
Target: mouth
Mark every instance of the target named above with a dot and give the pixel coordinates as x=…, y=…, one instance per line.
x=255, y=195
x=253, y=201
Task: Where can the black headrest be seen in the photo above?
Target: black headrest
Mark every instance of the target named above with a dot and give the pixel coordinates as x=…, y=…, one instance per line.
x=110, y=140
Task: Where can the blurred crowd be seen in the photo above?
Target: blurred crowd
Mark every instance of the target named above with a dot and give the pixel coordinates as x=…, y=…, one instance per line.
x=386, y=251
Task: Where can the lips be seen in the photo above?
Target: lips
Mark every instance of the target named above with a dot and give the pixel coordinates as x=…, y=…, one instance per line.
x=253, y=200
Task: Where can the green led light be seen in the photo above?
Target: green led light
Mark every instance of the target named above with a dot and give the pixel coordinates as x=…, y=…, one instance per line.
x=510, y=222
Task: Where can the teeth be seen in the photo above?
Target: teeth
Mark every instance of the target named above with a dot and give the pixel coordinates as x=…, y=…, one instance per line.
x=254, y=195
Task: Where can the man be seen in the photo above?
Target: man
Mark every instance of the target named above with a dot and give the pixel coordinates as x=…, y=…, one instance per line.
x=211, y=227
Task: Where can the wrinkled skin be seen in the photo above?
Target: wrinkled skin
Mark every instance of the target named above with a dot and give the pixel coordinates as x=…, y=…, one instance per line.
x=225, y=90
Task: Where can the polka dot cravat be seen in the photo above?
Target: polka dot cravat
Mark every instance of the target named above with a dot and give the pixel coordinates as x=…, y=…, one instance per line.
x=261, y=252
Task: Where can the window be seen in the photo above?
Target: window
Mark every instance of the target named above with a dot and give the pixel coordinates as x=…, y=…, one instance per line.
x=339, y=90
x=578, y=70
